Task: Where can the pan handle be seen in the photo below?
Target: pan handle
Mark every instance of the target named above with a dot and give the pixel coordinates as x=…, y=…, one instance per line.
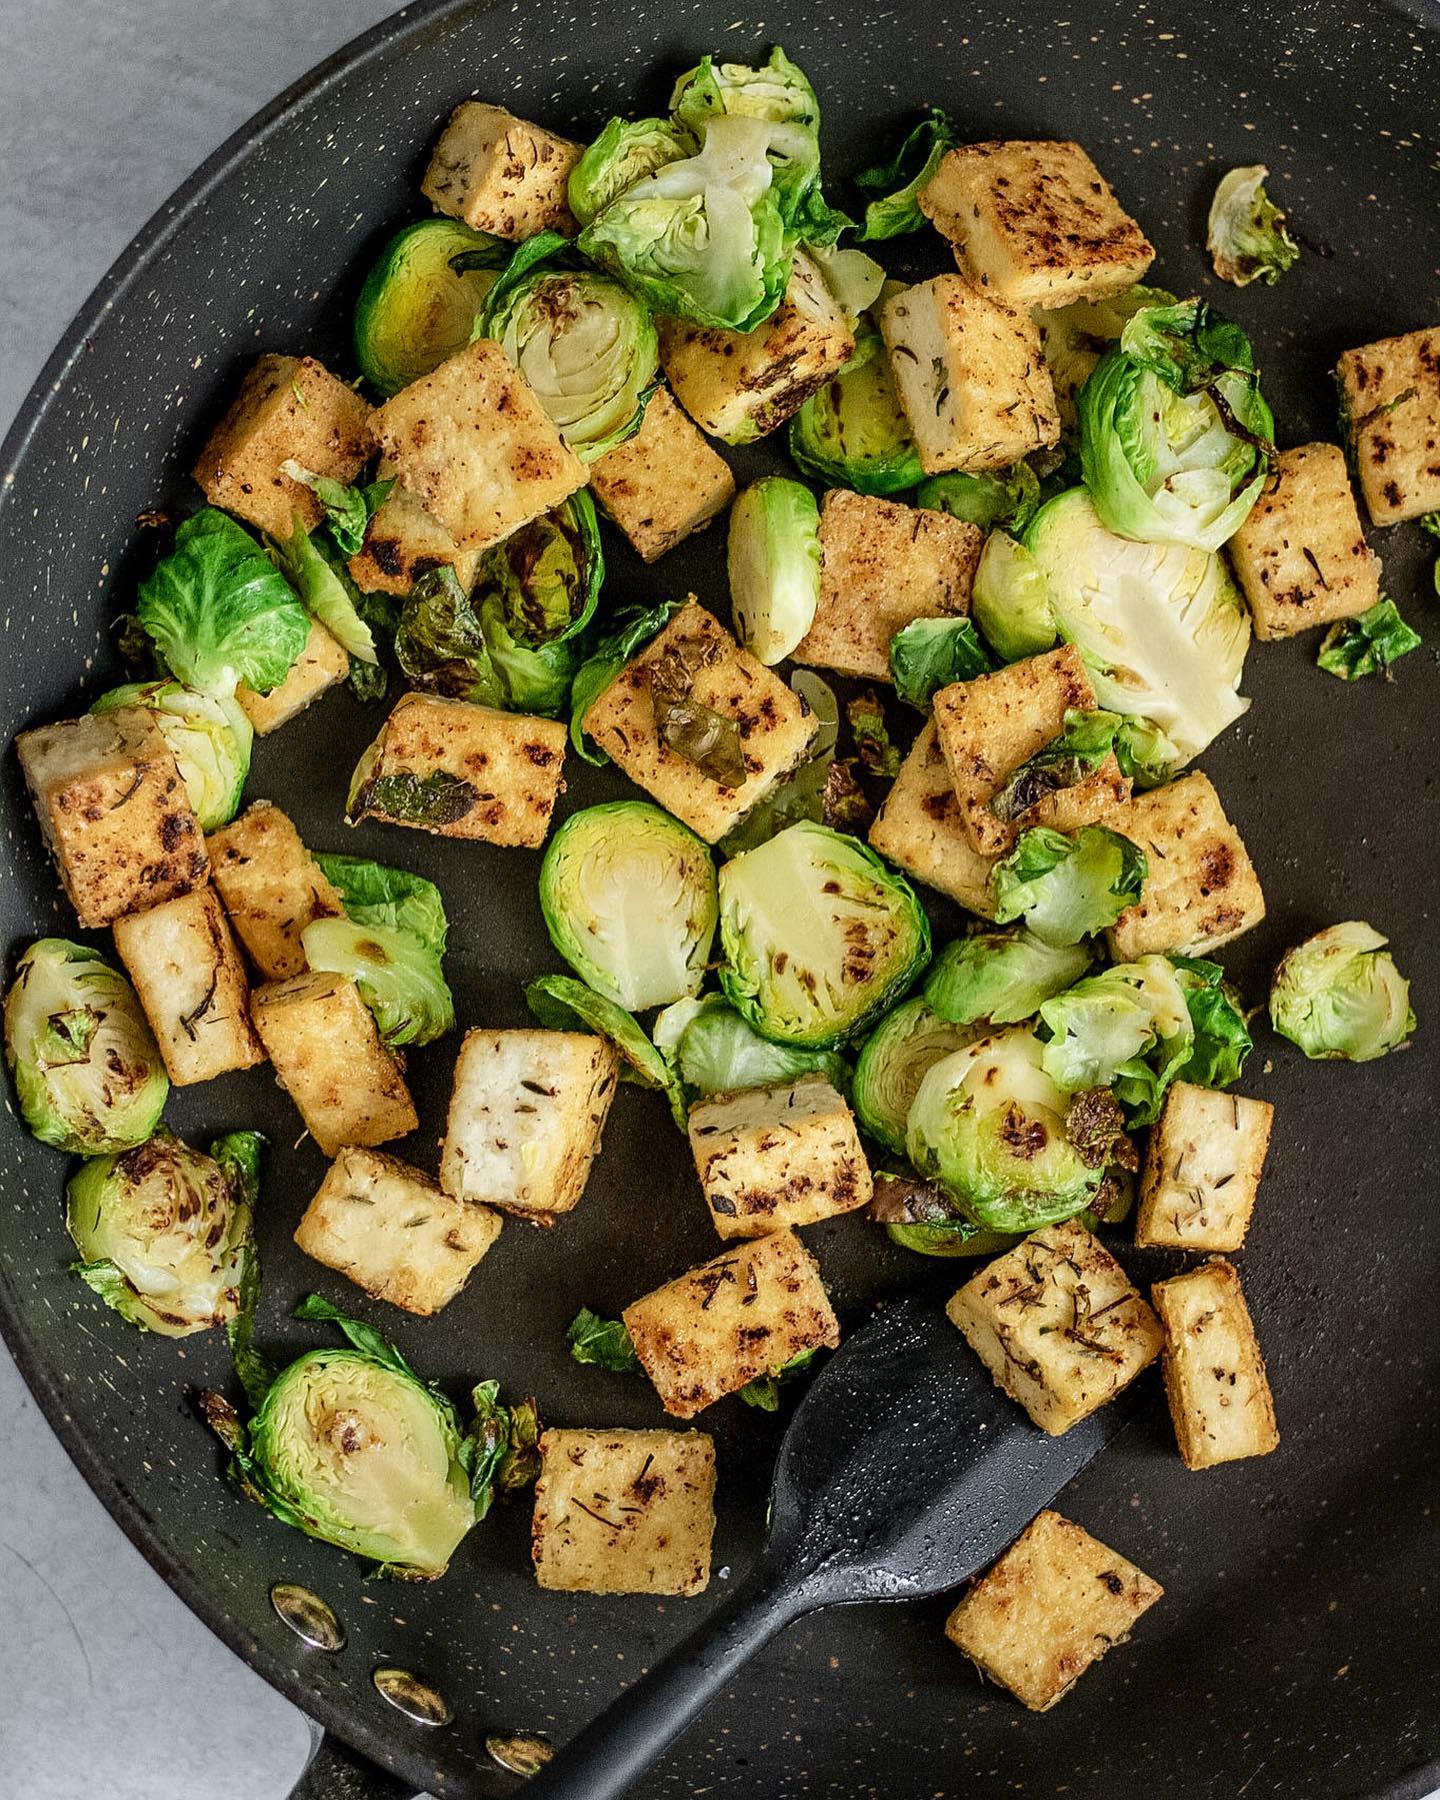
x=336, y=1772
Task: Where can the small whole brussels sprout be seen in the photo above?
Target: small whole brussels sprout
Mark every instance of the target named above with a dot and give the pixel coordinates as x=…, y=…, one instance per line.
x=1340, y=996
x=209, y=736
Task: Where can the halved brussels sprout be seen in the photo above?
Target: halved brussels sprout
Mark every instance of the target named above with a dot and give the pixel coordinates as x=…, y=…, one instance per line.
x=774, y=563
x=164, y=1232
x=1074, y=339
x=1001, y=976
x=1005, y=499
x=390, y=944
x=628, y=895
x=1222, y=1039
x=208, y=735
x=892, y=1063
x=853, y=431
x=714, y=1051
x=1246, y=234
x=1009, y=600
x=1127, y=1028
x=920, y=1216
x=420, y=299
x=818, y=935
x=1068, y=885
x=622, y=154
x=1339, y=995
x=88, y=1073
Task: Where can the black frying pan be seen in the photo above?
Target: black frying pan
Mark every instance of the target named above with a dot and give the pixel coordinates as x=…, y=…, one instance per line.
x=1295, y=1652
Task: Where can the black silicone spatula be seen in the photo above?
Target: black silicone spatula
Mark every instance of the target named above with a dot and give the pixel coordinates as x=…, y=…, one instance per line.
x=904, y=1470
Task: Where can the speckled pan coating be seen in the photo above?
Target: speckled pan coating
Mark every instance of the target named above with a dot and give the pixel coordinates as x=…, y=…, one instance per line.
x=1294, y=1652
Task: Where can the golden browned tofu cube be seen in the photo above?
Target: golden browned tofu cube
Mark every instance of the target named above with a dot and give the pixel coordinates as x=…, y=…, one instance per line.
x=739, y=385
x=624, y=1512
x=989, y=726
x=475, y=448
x=526, y=1115
x=1203, y=1165
x=393, y=1232
x=114, y=812
x=288, y=409
x=330, y=1059
x=1301, y=555
x=404, y=542
x=920, y=829
x=1201, y=889
x=970, y=376
x=1035, y=224
x=187, y=971
x=501, y=174
x=884, y=565
x=458, y=770
x=322, y=664
x=778, y=1157
x=1056, y=1601
x=775, y=725
x=745, y=1313
x=664, y=482
x=1058, y=1324
x=1390, y=405
x=1215, y=1381
x=272, y=887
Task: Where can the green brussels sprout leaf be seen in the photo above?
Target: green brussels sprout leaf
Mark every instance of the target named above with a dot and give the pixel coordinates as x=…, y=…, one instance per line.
x=1222, y=1039
x=894, y=186
x=713, y=1050
x=431, y=801
x=1084, y=743
x=319, y=576
x=709, y=739
x=1003, y=500
x=605, y=1342
x=1127, y=1028
x=872, y=737
x=1068, y=885
x=1074, y=338
x=623, y=153
x=928, y=654
x=1246, y=234
x=561, y=1003
x=764, y=1391
x=632, y=630
x=348, y=509
x=1001, y=977
x=390, y=944
x=1368, y=644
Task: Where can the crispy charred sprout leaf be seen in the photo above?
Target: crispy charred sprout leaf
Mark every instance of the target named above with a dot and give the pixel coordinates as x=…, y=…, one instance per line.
x=209, y=736
x=1085, y=741
x=1222, y=1039
x=501, y=1449
x=315, y=568
x=433, y=800
x=379, y=614
x=709, y=739
x=713, y=1050
x=1068, y=885
x=1127, y=1029
x=928, y=654
x=625, y=152
x=893, y=188
x=1005, y=500
x=1367, y=645
x=1339, y=995
x=920, y=1216
x=892, y=1063
x=872, y=739
x=632, y=630
x=605, y=1342
x=419, y=301
x=390, y=944
x=561, y=1003
x=1074, y=339
x=853, y=432
x=1001, y=976
x=1246, y=234
x=774, y=566
x=1095, y=1125
x=1009, y=600
x=764, y=1390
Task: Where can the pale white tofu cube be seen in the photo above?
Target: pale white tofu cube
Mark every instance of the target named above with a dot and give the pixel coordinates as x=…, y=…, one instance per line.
x=1203, y=1165
x=1215, y=1380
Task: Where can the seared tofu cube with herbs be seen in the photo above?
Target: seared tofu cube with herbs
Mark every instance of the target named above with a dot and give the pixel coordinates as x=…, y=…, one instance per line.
x=624, y=1512
x=404, y=542
x=1035, y=223
x=990, y=726
x=501, y=174
x=187, y=971
x=1301, y=555
x=1203, y=1165
x=288, y=409
x=459, y=770
x=884, y=565
x=778, y=1157
x=1390, y=409
x=664, y=482
x=970, y=376
x=641, y=721
x=1053, y=1604
x=272, y=888
x=526, y=1115
x=921, y=829
x=746, y=1313
x=114, y=812
x=322, y=664
x=739, y=385
x=393, y=1232
x=331, y=1060
x=1215, y=1380
x=473, y=445
x=1058, y=1324
x=1201, y=889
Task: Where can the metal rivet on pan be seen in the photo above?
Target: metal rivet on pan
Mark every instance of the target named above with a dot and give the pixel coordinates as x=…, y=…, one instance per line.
x=519, y=1754
x=412, y=1696
x=308, y=1616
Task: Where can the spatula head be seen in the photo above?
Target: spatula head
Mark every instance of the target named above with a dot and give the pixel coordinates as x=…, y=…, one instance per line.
x=905, y=1469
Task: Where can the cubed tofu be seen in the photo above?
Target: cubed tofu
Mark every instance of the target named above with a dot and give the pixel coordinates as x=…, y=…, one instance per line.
x=187, y=971
x=1201, y=889
x=404, y=542
x=919, y=828
x=1202, y=1170
x=526, y=1115
x=1390, y=399
x=989, y=726
x=745, y=1313
x=775, y=725
x=501, y=174
x=664, y=482
x=288, y=409
x=1215, y=1381
x=778, y=1157
x=624, y=1512
x=473, y=445
x=884, y=565
x=1058, y=1324
x=458, y=770
x=1301, y=555
x=1056, y=1601
x=272, y=888
x=1035, y=224
x=114, y=812
x=970, y=376
x=321, y=665
x=393, y=1232
x=739, y=385
x=330, y=1059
